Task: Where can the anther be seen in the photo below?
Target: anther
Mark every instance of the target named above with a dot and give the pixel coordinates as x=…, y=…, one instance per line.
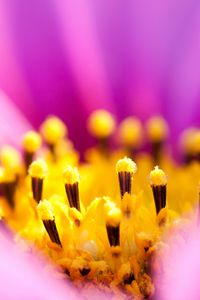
x=8, y=184
x=131, y=134
x=31, y=143
x=157, y=132
x=190, y=142
x=10, y=158
x=71, y=180
x=37, y=171
x=53, y=130
x=101, y=125
x=125, y=168
x=46, y=214
x=158, y=182
x=113, y=219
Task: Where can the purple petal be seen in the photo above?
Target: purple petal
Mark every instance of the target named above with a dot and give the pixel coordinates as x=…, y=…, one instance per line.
x=13, y=123
x=23, y=277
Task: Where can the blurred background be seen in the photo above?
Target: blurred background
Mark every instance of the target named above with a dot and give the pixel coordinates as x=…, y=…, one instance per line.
x=69, y=57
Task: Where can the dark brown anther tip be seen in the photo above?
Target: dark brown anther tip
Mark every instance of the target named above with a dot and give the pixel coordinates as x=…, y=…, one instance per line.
x=72, y=191
x=125, y=182
x=52, y=231
x=8, y=190
x=113, y=235
x=160, y=194
x=37, y=188
x=28, y=159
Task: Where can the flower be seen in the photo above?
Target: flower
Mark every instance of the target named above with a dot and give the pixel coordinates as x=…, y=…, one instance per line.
x=104, y=227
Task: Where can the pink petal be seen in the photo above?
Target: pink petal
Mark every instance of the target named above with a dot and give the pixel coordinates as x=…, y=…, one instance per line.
x=12, y=122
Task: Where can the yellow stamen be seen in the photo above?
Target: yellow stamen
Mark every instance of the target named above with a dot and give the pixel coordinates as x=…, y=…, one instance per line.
x=158, y=181
x=130, y=132
x=190, y=143
x=188, y=140
x=9, y=157
x=46, y=214
x=31, y=141
x=157, y=129
x=38, y=169
x=196, y=142
x=158, y=177
x=101, y=124
x=8, y=182
x=126, y=165
x=113, y=217
x=45, y=210
x=6, y=176
x=71, y=180
x=71, y=175
x=53, y=130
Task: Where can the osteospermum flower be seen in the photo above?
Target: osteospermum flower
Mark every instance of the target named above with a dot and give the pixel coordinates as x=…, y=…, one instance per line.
x=102, y=221
x=101, y=224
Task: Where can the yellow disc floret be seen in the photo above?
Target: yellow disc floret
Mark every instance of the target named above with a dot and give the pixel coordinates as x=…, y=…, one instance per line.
x=31, y=141
x=157, y=129
x=113, y=217
x=71, y=175
x=6, y=175
x=9, y=157
x=53, y=130
x=130, y=132
x=187, y=140
x=45, y=210
x=38, y=169
x=112, y=213
x=126, y=165
x=196, y=142
x=101, y=124
x=158, y=177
